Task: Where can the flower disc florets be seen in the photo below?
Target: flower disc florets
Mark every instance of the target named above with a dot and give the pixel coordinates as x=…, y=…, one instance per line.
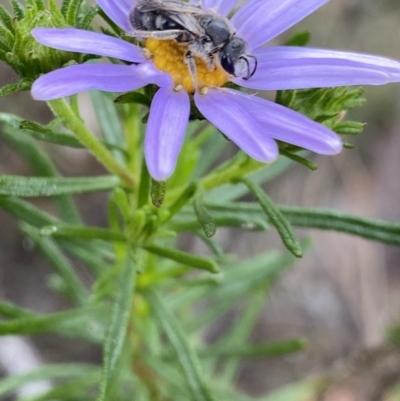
x=169, y=57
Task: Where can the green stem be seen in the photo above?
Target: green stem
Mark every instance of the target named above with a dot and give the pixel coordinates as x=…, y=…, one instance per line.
x=183, y=258
x=75, y=105
x=62, y=110
x=236, y=170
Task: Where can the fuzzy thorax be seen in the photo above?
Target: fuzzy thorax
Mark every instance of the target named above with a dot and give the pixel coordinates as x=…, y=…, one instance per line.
x=169, y=57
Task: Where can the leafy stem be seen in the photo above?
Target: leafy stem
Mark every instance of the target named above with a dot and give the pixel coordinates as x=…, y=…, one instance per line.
x=62, y=110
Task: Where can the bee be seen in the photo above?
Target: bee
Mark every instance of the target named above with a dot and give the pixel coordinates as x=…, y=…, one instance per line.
x=207, y=35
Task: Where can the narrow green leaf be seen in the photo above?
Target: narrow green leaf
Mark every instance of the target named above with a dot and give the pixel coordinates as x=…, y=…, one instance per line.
x=325, y=219
x=42, y=186
x=82, y=232
x=64, y=7
x=276, y=217
x=301, y=160
x=10, y=310
x=133, y=97
x=6, y=19
x=18, y=10
x=109, y=121
x=186, y=356
x=205, y=219
x=86, y=21
x=184, y=258
x=71, y=15
x=42, y=132
x=185, y=221
x=40, y=5
x=7, y=37
x=11, y=88
x=46, y=134
x=118, y=325
x=349, y=127
x=26, y=212
x=42, y=165
x=182, y=199
x=77, y=323
x=75, y=288
x=52, y=371
x=111, y=23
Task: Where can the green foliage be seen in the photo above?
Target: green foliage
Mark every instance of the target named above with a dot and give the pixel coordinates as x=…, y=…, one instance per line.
x=117, y=331
x=276, y=217
x=328, y=106
x=16, y=38
x=186, y=356
x=28, y=187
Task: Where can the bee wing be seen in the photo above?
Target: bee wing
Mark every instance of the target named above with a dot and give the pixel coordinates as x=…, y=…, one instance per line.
x=178, y=11
x=189, y=23
x=170, y=6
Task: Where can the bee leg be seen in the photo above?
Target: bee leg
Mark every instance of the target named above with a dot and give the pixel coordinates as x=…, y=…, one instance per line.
x=163, y=35
x=189, y=60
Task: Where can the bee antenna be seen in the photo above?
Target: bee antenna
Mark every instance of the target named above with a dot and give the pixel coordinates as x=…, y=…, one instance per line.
x=250, y=73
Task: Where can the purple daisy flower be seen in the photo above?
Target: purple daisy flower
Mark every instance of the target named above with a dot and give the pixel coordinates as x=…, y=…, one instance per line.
x=249, y=121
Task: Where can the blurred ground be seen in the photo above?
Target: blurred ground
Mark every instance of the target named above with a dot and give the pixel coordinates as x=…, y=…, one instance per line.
x=344, y=292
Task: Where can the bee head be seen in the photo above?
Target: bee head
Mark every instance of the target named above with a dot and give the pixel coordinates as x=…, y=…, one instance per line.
x=234, y=59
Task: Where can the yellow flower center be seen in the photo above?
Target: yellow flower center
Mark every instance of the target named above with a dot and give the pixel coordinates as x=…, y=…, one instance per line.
x=169, y=57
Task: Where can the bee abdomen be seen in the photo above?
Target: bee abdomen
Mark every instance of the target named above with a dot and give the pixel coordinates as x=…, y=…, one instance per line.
x=150, y=21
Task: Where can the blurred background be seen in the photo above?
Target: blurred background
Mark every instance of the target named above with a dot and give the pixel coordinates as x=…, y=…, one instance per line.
x=341, y=296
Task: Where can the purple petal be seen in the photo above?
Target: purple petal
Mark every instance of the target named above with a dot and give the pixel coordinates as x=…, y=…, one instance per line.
x=223, y=7
x=284, y=53
x=78, y=78
x=81, y=41
x=149, y=74
x=262, y=20
x=289, y=67
x=286, y=125
x=166, y=128
x=230, y=116
x=118, y=11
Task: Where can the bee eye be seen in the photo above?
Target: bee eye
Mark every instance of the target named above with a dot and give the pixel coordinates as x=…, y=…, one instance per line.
x=227, y=64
